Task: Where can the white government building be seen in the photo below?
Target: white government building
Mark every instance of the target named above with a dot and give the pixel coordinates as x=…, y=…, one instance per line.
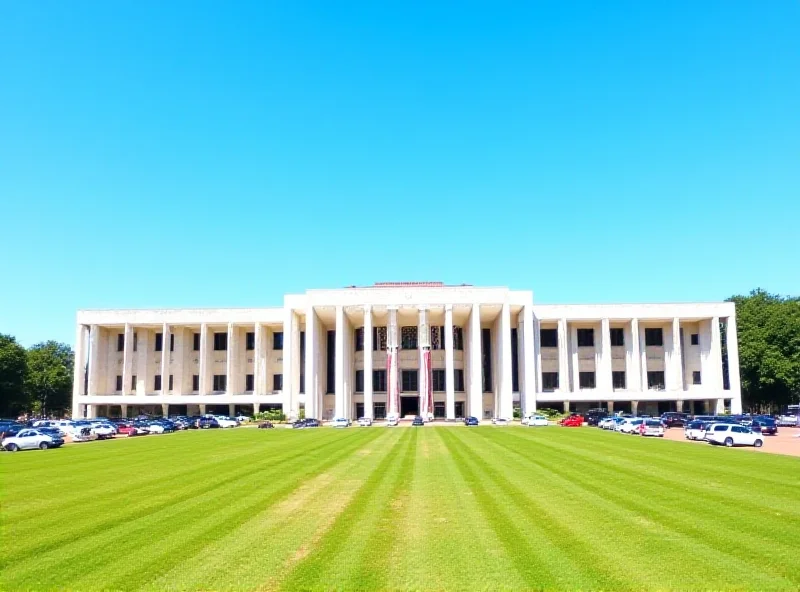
x=409, y=348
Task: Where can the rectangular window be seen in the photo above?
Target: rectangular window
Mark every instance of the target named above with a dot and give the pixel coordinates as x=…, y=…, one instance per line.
x=618, y=379
x=249, y=381
x=379, y=337
x=458, y=338
x=695, y=339
x=250, y=341
x=408, y=338
x=121, y=342
x=486, y=360
x=119, y=383
x=548, y=337
x=379, y=381
x=585, y=337
x=157, y=382
x=172, y=342
x=220, y=342
x=654, y=336
x=439, y=380
x=410, y=381
x=133, y=382
x=359, y=338
x=169, y=385
x=195, y=382
x=220, y=382
x=135, y=341
x=330, y=368
x=277, y=382
x=617, y=337
x=655, y=380
x=359, y=381
x=159, y=341
x=696, y=377
x=514, y=361
x=195, y=341
x=277, y=340
x=586, y=380
x=458, y=378
x=549, y=381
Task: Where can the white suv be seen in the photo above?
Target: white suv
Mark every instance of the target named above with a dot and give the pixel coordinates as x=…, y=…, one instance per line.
x=732, y=435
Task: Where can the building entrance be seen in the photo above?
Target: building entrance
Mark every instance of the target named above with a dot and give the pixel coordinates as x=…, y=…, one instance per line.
x=409, y=406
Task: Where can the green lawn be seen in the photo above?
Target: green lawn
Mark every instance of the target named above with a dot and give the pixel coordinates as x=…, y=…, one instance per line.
x=440, y=508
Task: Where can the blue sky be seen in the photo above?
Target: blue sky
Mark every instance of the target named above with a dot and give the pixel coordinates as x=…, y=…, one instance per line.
x=182, y=154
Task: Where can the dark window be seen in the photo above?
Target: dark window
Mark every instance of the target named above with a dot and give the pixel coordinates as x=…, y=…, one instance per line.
x=277, y=382
x=458, y=338
x=379, y=338
x=250, y=341
x=655, y=380
x=135, y=341
x=172, y=342
x=410, y=380
x=379, y=410
x=617, y=336
x=249, y=381
x=169, y=383
x=695, y=339
x=408, y=338
x=220, y=342
x=618, y=379
x=379, y=381
x=586, y=380
x=437, y=337
x=359, y=381
x=696, y=377
x=585, y=337
x=195, y=341
x=330, y=369
x=119, y=383
x=439, y=410
x=514, y=361
x=159, y=341
x=157, y=382
x=121, y=342
x=133, y=382
x=549, y=381
x=439, y=380
x=654, y=336
x=458, y=379
x=195, y=382
x=549, y=337
x=486, y=355
x=302, y=362
x=359, y=338
x=277, y=340
x=220, y=382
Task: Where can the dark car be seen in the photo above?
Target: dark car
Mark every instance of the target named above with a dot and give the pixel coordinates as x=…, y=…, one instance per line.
x=673, y=419
x=765, y=425
x=205, y=423
x=299, y=424
x=471, y=421
x=52, y=432
x=312, y=423
x=266, y=425
x=8, y=429
x=417, y=421
x=595, y=416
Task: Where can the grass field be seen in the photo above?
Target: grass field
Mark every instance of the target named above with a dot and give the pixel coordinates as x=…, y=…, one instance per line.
x=437, y=508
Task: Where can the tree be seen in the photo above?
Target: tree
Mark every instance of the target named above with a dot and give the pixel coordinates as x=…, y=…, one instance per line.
x=13, y=370
x=49, y=380
x=769, y=348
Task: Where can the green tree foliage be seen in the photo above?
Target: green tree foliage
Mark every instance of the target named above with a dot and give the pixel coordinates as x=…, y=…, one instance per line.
x=769, y=348
x=13, y=369
x=49, y=380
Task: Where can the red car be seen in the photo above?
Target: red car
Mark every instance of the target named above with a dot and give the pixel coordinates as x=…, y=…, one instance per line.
x=127, y=429
x=573, y=421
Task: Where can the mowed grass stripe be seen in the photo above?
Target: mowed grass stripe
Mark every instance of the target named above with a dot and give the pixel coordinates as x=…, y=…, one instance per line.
x=626, y=527
x=128, y=553
x=558, y=556
x=338, y=560
x=710, y=529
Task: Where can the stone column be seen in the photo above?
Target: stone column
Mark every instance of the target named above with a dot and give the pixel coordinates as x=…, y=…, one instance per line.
x=715, y=357
x=259, y=361
x=123, y=411
x=720, y=406
x=576, y=363
x=563, y=357
x=79, y=374
x=230, y=366
x=633, y=362
x=291, y=361
x=505, y=390
x=475, y=374
x=94, y=361
x=368, y=403
x=204, y=365
x=604, y=365
x=142, y=356
x=677, y=356
x=127, y=361
x=449, y=364
x=339, y=392
x=177, y=363
x=610, y=407
x=642, y=359
x=733, y=366
x=312, y=382
x=529, y=362
x=424, y=373
x=165, y=359
x=634, y=407
x=231, y=410
x=164, y=406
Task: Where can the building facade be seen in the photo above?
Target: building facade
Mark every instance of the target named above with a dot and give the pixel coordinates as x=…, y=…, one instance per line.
x=408, y=348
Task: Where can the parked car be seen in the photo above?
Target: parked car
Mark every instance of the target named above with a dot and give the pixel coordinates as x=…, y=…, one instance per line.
x=104, y=431
x=537, y=420
x=10, y=428
x=365, y=422
x=500, y=421
x=595, y=416
x=242, y=418
x=573, y=421
x=156, y=427
x=312, y=423
x=417, y=421
x=131, y=429
x=265, y=425
x=226, y=422
x=651, y=427
x=299, y=424
x=340, y=422
x=392, y=420
x=765, y=425
x=695, y=430
x=630, y=425
x=471, y=421
x=83, y=434
x=733, y=435
x=28, y=439
x=207, y=423
x=673, y=419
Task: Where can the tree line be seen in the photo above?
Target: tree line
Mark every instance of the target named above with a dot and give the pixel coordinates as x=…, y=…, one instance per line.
x=38, y=380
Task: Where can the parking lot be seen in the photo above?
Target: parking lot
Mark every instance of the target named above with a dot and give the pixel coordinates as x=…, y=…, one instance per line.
x=785, y=442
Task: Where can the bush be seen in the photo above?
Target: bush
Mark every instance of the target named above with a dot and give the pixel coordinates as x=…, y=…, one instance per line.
x=271, y=415
x=517, y=413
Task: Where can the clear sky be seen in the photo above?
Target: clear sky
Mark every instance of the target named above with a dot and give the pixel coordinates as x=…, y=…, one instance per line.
x=184, y=154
